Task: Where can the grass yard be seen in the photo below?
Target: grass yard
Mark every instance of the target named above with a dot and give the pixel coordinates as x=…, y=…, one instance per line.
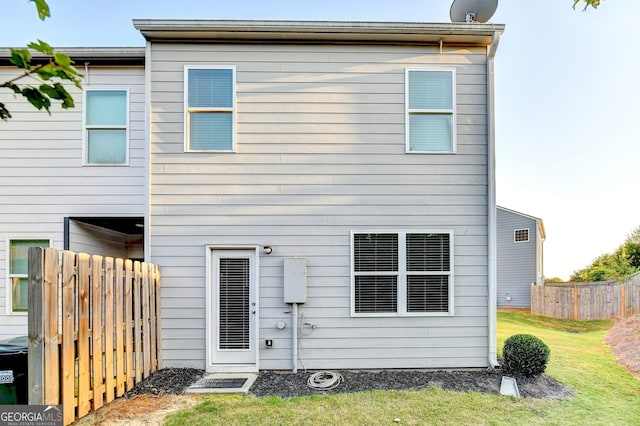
x=606, y=394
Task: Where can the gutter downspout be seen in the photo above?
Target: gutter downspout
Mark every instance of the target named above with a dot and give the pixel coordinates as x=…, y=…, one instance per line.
x=491, y=203
x=147, y=152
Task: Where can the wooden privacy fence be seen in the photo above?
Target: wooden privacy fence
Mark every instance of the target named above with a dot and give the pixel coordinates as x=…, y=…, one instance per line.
x=583, y=301
x=94, y=328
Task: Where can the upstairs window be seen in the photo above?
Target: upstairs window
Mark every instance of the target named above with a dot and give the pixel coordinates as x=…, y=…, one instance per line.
x=402, y=273
x=521, y=235
x=106, y=127
x=210, y=109
x=430, y=119
x=18, y=272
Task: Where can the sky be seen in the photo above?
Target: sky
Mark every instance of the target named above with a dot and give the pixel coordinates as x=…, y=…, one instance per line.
x=567, y=96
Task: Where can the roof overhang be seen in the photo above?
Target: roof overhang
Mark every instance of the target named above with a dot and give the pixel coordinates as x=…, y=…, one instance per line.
x=96, y=56
x=252, y=31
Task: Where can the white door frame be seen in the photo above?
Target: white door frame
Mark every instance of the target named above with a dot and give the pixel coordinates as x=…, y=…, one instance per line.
x=211, y=319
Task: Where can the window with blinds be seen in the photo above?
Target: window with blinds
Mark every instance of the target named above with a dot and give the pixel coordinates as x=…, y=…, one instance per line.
x=375, y=263
x=402, y=273
x=209, y=108
x=234, y=331
x=430, y=103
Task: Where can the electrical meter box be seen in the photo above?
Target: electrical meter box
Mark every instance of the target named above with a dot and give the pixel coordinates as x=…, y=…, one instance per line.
x=295, y=280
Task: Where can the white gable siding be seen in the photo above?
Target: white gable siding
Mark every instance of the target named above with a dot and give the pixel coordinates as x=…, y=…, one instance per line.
x=44, y=181
x=320, y=151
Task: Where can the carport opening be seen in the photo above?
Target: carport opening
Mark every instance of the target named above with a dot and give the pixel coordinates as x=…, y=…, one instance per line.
x=107, y=236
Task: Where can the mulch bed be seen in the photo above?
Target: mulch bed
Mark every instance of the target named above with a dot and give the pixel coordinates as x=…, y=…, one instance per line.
x=176, y=380
x=172, y=381
x=485, y=381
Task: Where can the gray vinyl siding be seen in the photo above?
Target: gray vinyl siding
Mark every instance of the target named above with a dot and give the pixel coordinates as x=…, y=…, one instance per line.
x=516, y=261
x=43, y=177
x=320, y=151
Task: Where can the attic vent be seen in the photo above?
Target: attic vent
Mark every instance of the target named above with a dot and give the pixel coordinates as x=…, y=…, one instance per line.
x=521, y=235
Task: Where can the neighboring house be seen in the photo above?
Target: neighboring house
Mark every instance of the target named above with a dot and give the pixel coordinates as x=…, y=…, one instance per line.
x=73, y=179
x=320, y=194
x=520, y=261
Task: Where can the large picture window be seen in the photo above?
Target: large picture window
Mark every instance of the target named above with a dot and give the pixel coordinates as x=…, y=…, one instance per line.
x=430, y=102
x=402, y=273
x=106, y=127
x=209, y=108
x=18, y=272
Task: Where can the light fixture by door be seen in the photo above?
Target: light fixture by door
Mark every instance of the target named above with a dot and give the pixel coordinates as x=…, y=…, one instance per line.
x=267, y=249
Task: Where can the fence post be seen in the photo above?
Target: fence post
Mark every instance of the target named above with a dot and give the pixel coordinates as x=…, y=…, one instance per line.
x=35, y=326
x=623, y=304
x=575, y=302
x=51, y=381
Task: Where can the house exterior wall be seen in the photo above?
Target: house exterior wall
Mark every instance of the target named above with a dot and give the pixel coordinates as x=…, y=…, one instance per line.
x=43, y=177
x=519, y=263
x=320, y=151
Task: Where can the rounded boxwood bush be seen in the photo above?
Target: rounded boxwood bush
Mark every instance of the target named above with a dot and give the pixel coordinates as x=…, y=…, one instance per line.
x=525, y=354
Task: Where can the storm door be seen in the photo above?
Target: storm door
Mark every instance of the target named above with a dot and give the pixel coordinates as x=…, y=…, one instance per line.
x=234, y=308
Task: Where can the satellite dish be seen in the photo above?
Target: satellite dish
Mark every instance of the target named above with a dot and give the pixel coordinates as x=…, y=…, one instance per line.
x=472, y=10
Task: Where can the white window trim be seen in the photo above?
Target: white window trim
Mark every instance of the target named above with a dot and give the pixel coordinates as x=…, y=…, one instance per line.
x=452, y=111
x=188, y=110
x=85, y=130
x=402, y=273
x=515, y=231
x=8, y=290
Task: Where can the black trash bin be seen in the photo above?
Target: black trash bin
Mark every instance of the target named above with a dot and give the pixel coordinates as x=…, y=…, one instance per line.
x=14, y=358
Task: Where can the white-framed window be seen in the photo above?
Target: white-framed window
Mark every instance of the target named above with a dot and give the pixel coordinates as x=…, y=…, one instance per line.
x=106, y=126
x=402, y=273
x=210, y=108
x=430, y=110
x=521, y=235
x=17, y=272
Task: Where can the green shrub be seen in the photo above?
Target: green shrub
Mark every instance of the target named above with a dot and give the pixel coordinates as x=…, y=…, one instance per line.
x=525, y=354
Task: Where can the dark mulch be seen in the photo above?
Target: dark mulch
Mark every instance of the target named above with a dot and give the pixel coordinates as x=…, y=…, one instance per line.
x=172, y=381
x=485, y=381
x=176, y=380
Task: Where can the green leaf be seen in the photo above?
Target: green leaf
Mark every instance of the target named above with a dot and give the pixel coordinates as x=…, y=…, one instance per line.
x=47, y=71
x=43, y=9
x=13, y=87
x=36, y=98
x=63, y=60
x=21, y=58
x=50, y=91
x=67, y=99
x=41, y=47
x=587, y=3
x=4, y=112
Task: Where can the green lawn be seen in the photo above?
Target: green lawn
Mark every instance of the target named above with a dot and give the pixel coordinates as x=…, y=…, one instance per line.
x=605, y=393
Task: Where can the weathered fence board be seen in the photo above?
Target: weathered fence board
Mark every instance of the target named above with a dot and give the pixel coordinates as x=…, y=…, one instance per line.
x=584, y=301
x=101, y=315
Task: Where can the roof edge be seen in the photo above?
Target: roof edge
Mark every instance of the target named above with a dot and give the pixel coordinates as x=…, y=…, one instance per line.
x=129, y=56
x=315, y=31
x=539, y=221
